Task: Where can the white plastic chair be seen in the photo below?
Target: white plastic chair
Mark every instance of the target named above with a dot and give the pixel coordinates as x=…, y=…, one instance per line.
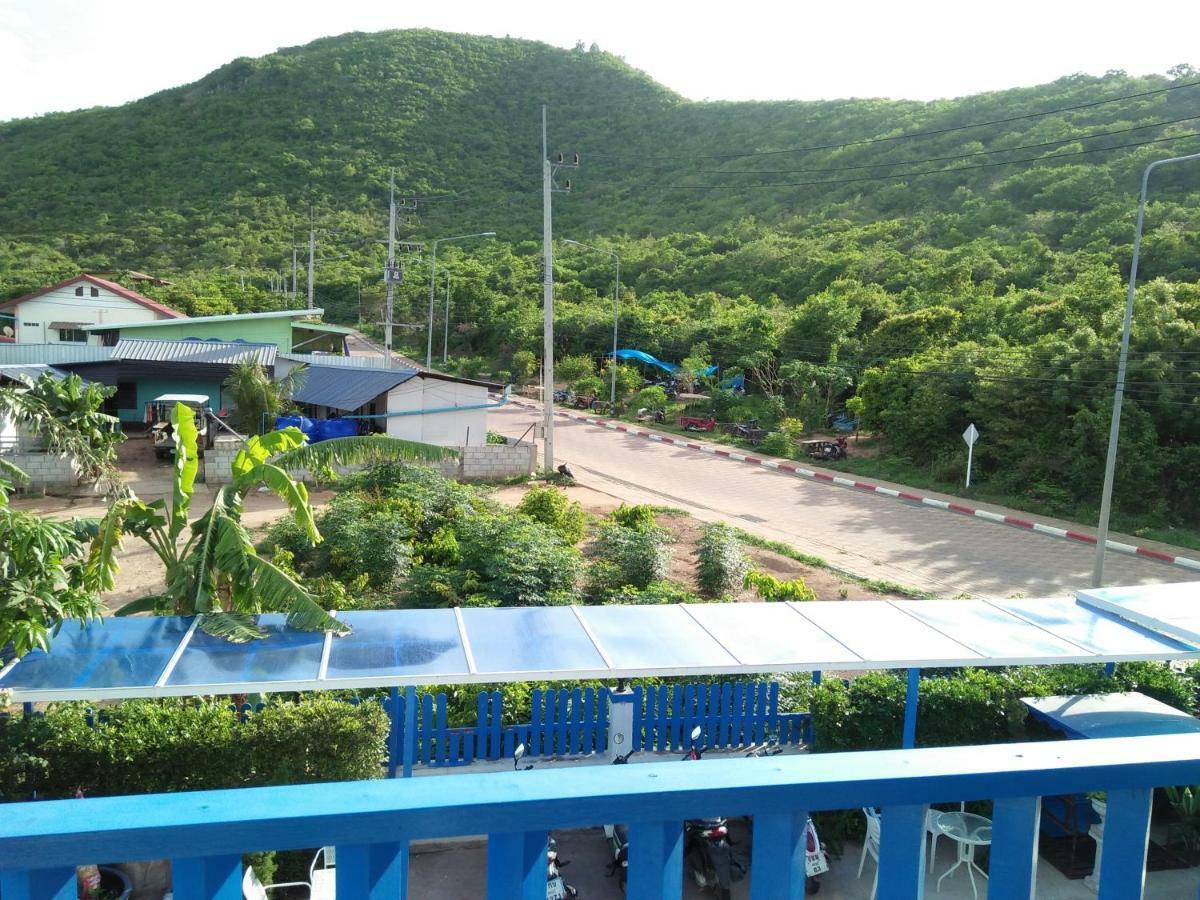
x=321, y=882
x=871, y=846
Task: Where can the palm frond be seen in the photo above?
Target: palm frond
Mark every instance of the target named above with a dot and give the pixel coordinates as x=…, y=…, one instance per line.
x=349, y=451
x=101, y=566
x=294, y=494
x=279, y=592
x=160, y=604
x=12, y=473
x=237, y=628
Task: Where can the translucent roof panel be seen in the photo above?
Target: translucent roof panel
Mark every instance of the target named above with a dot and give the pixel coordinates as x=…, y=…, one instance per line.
x=530, y=639
x=382, y=645
x=769, y=634
x=1170, y=608
x=663, y=638
x=991, y=631
x=884, y=634
x=108, y=653
x=1111, y=715
x=283, y=655
x=1104, y=634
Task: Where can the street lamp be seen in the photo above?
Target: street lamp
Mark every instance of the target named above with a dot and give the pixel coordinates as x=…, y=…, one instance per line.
x=616, y=310
x=432, y=275
x=1110, y=462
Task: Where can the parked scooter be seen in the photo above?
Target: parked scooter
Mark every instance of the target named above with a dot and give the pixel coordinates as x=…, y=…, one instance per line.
x=707, y=854
x=617, y=837
x=816, y=862
x=556, y=887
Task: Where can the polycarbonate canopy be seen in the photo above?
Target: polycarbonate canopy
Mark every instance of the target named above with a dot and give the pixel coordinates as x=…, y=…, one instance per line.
x=141, y=657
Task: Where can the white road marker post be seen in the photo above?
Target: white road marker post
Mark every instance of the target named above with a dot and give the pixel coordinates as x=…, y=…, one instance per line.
x=971, y=435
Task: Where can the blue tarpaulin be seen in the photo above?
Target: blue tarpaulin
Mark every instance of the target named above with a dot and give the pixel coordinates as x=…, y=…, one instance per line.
x=644, y=357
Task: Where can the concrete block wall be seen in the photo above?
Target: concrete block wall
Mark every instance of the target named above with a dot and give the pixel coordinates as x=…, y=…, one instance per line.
x=487, y=462
x=45, y=470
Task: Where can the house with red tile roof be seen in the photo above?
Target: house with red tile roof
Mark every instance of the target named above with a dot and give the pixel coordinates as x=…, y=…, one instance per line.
x=60, y=313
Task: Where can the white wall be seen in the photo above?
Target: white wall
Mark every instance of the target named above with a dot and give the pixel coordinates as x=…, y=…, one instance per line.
x=446, y=429
x=61, y=305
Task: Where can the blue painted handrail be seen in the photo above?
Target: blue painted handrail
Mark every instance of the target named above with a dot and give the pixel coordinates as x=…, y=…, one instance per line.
x=371, y=822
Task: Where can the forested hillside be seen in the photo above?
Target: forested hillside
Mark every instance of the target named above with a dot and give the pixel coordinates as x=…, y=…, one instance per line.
x=930, y=264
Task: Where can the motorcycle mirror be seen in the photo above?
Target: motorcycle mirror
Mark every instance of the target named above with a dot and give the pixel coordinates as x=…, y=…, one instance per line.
x=696, y=734
x=518, y=754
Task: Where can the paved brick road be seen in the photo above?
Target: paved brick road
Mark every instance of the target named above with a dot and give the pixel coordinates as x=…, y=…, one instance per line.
x=869, y=535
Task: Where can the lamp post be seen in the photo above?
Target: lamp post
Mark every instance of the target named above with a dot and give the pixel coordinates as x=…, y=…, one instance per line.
x=616, y=311
x=1110, y=462
x=432, y=276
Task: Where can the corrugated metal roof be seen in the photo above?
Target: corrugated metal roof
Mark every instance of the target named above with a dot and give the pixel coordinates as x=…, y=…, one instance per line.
x=31, y=372
x=208, y=320
x=219, y=353
x=347, y=389
x=52, y=354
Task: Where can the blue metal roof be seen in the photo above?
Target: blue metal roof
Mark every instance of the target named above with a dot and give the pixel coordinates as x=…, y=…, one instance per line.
x=347, y=388
x=161, y=656
x=31, y=372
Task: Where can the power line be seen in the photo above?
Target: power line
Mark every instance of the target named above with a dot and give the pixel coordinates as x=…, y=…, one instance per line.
x=930, y=159
x=920, y=134
x=951, y=171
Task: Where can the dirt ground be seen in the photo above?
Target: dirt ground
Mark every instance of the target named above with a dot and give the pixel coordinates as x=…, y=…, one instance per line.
x=141, y=573
x=827, y=584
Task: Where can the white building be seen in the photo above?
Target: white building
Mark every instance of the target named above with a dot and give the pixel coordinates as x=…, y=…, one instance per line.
x=59, y=313
x=415, y=405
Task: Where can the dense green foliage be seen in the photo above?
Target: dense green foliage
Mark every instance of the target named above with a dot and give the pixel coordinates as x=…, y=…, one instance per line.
x=721, y=566
x=893, y=257
x=623, y=556
x=552, y=507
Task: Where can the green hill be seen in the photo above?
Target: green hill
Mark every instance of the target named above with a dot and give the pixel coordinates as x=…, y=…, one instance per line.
x=930, y=264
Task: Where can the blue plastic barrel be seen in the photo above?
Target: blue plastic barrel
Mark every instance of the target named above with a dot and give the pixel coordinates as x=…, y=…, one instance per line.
x=308, y=426
x=336, y=428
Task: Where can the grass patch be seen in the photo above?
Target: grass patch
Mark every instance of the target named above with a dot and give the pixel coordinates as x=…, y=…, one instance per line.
x=871, y=584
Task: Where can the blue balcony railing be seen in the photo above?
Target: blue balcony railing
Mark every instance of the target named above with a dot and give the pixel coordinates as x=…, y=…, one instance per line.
x=371, y=822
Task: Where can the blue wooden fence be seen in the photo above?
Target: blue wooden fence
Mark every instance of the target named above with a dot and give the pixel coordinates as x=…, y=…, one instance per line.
x=730, y=715
x=574, y=722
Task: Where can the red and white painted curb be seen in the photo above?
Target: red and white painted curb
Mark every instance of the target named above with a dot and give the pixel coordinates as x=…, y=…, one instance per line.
x=801, y=472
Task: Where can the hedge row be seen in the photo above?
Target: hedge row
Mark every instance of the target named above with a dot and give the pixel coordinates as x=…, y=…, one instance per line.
x=153, y=746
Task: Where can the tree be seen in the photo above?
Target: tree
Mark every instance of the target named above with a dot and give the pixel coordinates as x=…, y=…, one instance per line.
x=258, y=398
x=44, y=581
x=524, y=365
x=67, y=415
x=216, y=571
x=570, y=369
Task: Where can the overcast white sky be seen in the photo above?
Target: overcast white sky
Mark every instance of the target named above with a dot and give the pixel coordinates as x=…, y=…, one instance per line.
x=67, y=54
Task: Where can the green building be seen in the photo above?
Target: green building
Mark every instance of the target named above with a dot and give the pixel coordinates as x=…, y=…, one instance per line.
x=291, y=330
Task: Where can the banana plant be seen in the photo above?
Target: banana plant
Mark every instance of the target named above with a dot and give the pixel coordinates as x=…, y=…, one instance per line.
x=214, y=570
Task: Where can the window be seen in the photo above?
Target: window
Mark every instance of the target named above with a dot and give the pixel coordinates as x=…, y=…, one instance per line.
x=72, y=335
x=79, y=291
x=126, y=396
x=95, y=292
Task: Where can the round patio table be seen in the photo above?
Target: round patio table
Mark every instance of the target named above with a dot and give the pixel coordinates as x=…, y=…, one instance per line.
x=968, y=831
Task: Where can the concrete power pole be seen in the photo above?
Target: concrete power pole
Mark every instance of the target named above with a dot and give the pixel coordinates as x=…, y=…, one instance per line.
x=548, y=304
x=295, y=268
x=312, y=246
x=391, y=264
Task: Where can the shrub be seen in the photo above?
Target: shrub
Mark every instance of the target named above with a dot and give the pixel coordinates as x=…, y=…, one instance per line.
x=519, y=562
x=654, y=592
x=495, y=437
x=524, y=366
x=721, y=565
x=572, y=368
x=636, y=558
x=639, y=517
x=369, y=536
x=652, y=397
x=783, y=442
x=589, y=386
x=157, y=746
x=770, y=588
x=554, y=508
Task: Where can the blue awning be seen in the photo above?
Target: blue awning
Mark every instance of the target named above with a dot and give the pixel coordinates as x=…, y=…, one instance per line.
x=346, y=388
x=644, y=357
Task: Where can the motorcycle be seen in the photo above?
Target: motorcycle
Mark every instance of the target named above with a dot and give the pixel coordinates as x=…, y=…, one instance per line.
x=816, y=861
x=617, y=838
x=707, y=852
x=556, y=887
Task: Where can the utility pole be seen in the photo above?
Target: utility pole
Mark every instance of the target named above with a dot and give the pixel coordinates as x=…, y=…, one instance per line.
x=446, y=334
x=1114, y=431
x=312, y=246
x=548, y=188
x=432, y=286
x=391, y=264
x=295, y=268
